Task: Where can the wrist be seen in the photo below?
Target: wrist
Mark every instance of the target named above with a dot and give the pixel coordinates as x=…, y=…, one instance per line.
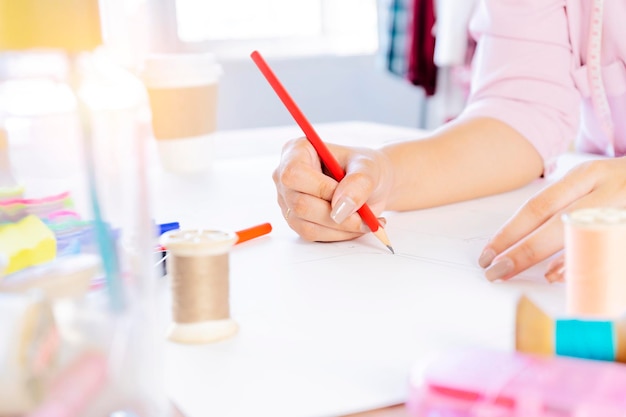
x=387, y=185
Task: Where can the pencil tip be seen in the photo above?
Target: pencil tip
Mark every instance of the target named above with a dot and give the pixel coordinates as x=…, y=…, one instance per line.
x=382, y=236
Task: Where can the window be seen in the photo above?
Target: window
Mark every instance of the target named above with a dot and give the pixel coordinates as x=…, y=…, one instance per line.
x=285, y=26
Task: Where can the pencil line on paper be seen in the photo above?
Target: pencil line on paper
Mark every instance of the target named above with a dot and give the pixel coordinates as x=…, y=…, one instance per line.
x=438, y=261
x=341, y=255
x=435, y=261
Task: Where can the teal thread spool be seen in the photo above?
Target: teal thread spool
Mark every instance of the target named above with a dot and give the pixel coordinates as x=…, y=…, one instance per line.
x=585, y=339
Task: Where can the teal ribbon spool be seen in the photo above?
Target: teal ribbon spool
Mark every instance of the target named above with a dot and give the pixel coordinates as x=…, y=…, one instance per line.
x=585, y=339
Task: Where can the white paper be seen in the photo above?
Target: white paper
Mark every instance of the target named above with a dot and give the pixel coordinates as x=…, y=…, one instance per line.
x=333, y=328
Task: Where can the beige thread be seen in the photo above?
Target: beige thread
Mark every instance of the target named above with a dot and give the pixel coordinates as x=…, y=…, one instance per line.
x=200, y=288
x=198, y=267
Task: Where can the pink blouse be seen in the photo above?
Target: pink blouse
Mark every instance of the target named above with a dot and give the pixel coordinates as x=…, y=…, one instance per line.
x=531, y=70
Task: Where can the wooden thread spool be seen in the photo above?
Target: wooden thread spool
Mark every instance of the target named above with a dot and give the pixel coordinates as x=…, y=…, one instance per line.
x=595, y=262
x=199, y=270
x=29, y=351
x=538, y=333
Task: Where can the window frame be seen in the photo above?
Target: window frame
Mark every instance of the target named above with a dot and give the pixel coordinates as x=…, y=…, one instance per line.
x=284, y=46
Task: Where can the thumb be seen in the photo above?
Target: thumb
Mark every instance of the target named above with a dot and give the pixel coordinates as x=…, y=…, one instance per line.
x=353, y=191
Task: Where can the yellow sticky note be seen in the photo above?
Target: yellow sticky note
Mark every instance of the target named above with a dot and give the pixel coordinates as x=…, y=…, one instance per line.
x=26, y=243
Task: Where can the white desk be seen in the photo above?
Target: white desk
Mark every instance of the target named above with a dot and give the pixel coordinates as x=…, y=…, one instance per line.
x=329, y=329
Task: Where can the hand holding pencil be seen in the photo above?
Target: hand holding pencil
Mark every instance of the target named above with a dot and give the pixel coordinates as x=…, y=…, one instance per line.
x=319, y=199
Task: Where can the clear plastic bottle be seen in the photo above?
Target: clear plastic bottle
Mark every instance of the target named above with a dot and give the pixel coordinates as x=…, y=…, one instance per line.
x=81, y=126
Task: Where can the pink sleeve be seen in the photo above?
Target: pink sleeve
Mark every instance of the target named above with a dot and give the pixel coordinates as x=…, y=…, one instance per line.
x=522, y=72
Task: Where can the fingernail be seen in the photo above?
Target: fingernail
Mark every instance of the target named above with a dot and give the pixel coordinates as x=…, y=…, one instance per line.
x=499, y=269
x=556, y=274
x=344, y=208
x=486, y=257
x=553, y=277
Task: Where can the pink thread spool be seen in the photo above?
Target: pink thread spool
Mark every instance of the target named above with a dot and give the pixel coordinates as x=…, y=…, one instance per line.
x=595, y=262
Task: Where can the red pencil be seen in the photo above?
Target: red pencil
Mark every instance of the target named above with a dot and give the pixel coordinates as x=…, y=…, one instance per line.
x=322, y=150
x=253, y=232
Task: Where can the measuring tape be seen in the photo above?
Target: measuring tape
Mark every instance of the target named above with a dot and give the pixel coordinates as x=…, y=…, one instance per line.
x=594, y=74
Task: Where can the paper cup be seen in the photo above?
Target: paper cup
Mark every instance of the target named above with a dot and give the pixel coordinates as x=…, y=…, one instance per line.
x=182, y=89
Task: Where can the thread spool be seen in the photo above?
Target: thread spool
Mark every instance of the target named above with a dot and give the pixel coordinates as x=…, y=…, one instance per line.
x=29, y=351
x=587, y=339
x=595, y=263
x=538, y=333
x=198, y=266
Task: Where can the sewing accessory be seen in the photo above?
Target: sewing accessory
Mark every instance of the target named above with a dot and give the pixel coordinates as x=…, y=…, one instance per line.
x=29, y=351
x=76, y=387
x=26, y=243
x=534, y=329
x=198, y=266
x=594, y=74
x=538, y=333
x=595, y=265
x=585, y=339
x=482, y=382
x=46, y=208
x=65, y=277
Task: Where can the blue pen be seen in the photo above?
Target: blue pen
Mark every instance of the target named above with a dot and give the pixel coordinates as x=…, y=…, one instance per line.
x=166, y=227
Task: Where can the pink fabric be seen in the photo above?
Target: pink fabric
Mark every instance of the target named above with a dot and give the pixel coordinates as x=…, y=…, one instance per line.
x=530, y=72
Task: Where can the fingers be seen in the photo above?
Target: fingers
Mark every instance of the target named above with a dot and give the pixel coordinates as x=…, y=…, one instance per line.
x=583, y=189
x=318, y=207
x=536, y=212
x=304, y=193
x=364, y=183
x=309, y=217
x=542, y=243
x=556, y=270
x=300, y=171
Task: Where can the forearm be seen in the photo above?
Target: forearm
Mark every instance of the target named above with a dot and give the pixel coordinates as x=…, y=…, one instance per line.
x=461, y=161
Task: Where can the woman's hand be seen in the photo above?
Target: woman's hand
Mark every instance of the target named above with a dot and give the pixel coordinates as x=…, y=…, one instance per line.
x=535, y=232
x=319, y=208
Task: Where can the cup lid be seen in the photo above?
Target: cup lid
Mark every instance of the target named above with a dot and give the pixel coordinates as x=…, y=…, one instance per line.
x=180, y=70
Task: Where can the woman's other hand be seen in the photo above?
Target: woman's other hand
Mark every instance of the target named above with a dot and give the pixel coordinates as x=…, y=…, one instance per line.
x=536, y=231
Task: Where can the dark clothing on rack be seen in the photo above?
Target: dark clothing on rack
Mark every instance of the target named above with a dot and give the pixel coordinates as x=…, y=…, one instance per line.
x=422, y=70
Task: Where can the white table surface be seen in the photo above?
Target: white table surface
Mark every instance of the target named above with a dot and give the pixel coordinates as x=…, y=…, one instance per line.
x=330, y=329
